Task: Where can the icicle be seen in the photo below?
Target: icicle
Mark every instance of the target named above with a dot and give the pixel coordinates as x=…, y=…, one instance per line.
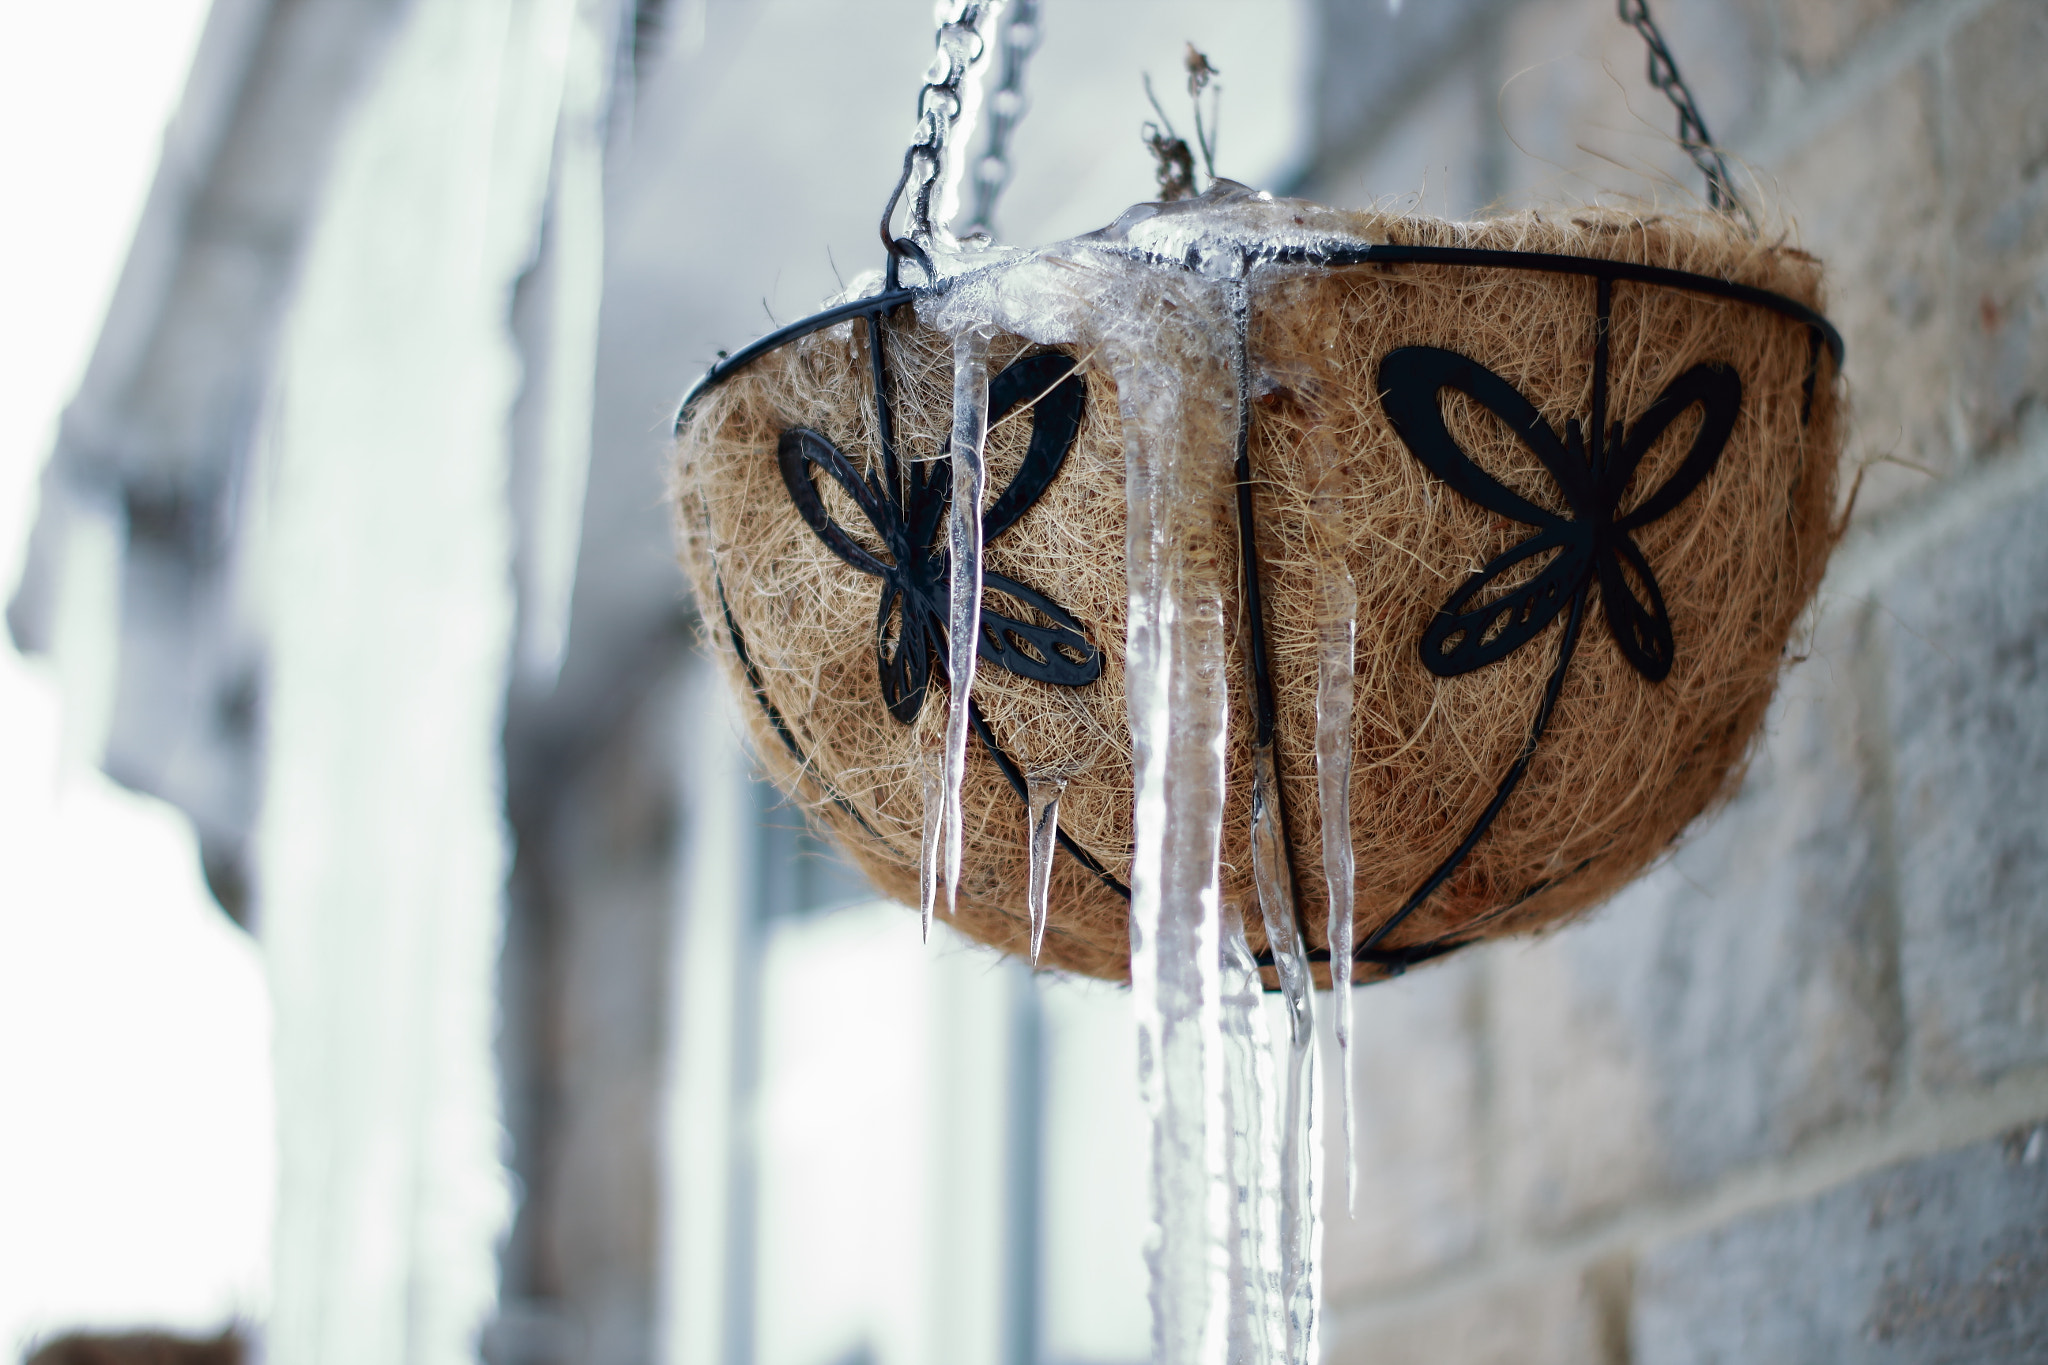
x=1336, y=649
x=1297, y=1156
x=963, y=542
x=1042, y=795
x=1258, y=1324
x=1274, y=877
x=1161, y=342
x=928, y=858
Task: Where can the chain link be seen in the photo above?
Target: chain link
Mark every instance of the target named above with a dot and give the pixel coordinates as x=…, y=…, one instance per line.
x=1004, y=111
x=1692, y=128
x=960, y=45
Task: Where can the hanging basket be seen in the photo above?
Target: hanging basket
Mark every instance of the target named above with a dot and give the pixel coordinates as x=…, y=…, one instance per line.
x=1579, y=470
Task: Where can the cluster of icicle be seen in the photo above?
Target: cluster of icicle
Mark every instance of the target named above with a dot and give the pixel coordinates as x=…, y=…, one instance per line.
x=1160, y=299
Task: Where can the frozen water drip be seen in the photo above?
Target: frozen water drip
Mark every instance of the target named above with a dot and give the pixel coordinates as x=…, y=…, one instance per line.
x=1042, y=795
x=963, y=543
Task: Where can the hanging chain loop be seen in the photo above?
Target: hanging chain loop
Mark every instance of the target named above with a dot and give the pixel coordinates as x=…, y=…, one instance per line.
x=1692, y=128
x=1005, y=110
x=962, y=43
x=940, y=102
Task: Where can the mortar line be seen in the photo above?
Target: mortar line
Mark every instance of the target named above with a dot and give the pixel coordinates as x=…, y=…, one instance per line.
x=1867, y=66
x=1873, y=551
x=1871, y=735
x=1921, y=1125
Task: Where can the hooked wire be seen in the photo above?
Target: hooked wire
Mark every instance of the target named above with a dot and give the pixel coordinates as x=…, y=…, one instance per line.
x=1692, y=126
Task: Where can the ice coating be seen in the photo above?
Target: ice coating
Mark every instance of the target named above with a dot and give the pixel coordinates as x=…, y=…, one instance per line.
x=963, y=543
x=1229, y=223
x=1258, y=1323
x=1057, y=294
x=1048, y=296
x=948, y=109
x=1042, y=795
x=1336, y=651
x=958, y=45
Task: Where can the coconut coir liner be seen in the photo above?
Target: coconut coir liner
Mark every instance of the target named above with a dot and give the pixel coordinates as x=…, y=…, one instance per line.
x=1625, y=765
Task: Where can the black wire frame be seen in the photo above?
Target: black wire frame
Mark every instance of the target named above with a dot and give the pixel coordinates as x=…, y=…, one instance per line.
x=875, y=310
x=1372, y=950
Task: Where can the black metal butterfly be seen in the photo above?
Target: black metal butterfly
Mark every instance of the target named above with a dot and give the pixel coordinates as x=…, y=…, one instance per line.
x=916, y=575
x=1590, y=541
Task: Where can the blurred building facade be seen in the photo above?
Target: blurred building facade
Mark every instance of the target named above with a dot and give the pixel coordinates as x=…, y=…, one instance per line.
x=1784, y=1100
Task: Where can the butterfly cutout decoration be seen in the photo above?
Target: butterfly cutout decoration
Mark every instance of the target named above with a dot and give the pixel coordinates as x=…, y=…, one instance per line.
x=1590, y=542
x=916, y=574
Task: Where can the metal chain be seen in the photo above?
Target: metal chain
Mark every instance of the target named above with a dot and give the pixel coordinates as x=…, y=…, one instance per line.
x=1004, y=111
x=1692, y=129
x=959, y=46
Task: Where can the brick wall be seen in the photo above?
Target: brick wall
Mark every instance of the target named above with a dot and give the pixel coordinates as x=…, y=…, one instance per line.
x=1785, y=1100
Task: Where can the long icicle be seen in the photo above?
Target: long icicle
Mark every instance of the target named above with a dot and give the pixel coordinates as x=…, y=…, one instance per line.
x=1258, y=1324
x=1161, y=344
x=1336, y=654
x=1042, y=795
x=963, y=543
x=1297, y=1156
x=1273, y=876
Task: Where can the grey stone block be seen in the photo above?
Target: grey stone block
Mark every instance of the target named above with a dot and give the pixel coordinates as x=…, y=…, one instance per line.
x=1968, y=694
x=1419, y=1133
x=1737, y=1001
x=1996, y=125
x=1943, y=1259
x=1867, y=195
x=1995, y=146
x=1814, y=35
